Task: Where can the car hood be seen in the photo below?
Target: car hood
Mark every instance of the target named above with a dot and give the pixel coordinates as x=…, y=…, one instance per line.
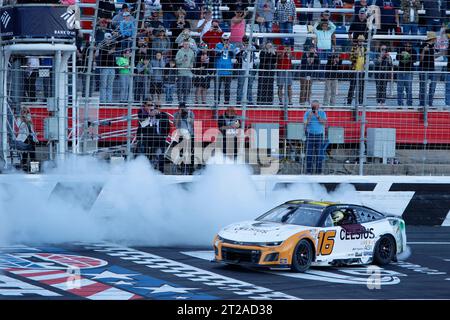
x=260, y=231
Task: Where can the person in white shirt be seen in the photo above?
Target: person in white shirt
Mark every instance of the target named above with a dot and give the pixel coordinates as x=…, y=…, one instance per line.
x=204, y=25
x=26, y=138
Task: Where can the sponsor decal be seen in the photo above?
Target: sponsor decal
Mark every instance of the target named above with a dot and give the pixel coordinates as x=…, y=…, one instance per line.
x=356, y=235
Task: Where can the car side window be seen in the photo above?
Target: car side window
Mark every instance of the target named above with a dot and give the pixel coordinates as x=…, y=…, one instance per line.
x=366, y=215
x=328, y=222
x=343, y=216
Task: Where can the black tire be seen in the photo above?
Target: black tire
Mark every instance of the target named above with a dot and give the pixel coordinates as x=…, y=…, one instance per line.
x=384, y=251
x=302, y=256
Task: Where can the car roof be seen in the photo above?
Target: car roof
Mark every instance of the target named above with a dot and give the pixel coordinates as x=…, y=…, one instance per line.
x=322, y=204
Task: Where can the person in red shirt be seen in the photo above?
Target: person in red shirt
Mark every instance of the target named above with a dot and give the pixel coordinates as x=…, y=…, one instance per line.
x=284, y=74
x=214, y=35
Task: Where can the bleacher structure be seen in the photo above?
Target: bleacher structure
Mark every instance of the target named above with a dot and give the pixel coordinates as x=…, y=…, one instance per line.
x=369, y=136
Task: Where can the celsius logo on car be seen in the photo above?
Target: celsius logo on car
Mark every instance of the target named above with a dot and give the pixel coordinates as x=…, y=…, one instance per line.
x=360, y=234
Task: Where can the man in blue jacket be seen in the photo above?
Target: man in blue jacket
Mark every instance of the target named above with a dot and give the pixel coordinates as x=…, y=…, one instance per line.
x=315, y=121
x=225, y=53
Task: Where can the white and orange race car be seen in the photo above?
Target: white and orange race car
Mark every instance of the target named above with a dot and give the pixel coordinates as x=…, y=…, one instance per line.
x=303, y=233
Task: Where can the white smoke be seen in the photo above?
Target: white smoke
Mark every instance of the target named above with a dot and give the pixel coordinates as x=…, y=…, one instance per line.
x=139, y=206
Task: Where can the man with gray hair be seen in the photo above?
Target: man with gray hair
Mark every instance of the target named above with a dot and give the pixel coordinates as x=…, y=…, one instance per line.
x=315, y=121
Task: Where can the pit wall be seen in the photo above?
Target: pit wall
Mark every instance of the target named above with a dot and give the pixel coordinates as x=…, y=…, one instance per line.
x=418, y=200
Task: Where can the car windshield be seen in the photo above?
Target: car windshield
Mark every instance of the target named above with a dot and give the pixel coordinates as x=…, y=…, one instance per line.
x=303, y=215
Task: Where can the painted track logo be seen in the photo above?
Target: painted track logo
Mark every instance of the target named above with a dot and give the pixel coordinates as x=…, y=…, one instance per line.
x=52, y=261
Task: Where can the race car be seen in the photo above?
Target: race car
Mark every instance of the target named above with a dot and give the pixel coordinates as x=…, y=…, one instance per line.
x=302, y=233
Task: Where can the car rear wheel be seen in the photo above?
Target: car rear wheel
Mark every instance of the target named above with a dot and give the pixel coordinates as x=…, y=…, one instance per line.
x=302, y=257
x=384, y=251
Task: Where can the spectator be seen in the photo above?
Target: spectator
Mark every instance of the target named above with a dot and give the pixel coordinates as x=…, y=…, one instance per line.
x=410, y=18
x=406, y=58
x=245, y=58
x=151, y=6
x=214, y=35
x=361, y=4
x=238, y=26
x=170, y=79
x=102, y=29
x=427, y=68
x=285, y=17
x=383, y=66
x=324, y=32
x=118, y=18
x=156, y=88
x=315, y=121
x=127, y=29
x=82, y=62
x=331, y=82
x=143, y=79
x=284, y=78
x=106, y=10
x=154, y=24
x=185, y=59
x=142, y=49
x=186, y=36
x=229, y=124
x=225, y=53
x=26, y=138
x=432, y=19
x=123, y=62
x=389, y=16
x=204, y=24
x=184, y=123
x=168, y=9
x=161, y=43
x=267, y=65
x=309, y=67
x=265, y=14
x=192, y=9
x=179, y=25
x=31, y=75
x=358, y=59
x=358, y=27
x=202, y=75
x=106, y=61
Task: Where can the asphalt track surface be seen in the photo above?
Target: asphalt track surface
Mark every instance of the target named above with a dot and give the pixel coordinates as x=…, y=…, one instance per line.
x=111, y=271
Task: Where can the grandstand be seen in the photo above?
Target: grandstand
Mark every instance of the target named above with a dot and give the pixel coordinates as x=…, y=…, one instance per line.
x=387, y=110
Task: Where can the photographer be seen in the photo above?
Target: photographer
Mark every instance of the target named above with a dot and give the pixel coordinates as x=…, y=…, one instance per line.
x=214, y=35
x=26, y=139
x=229, y=124
x=427, y=68
x=383, y=68
x=184, y=123
x=315, y=121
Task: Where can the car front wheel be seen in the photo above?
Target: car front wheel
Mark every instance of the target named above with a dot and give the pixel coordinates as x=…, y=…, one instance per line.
x=384, y=251
x=302, y=257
